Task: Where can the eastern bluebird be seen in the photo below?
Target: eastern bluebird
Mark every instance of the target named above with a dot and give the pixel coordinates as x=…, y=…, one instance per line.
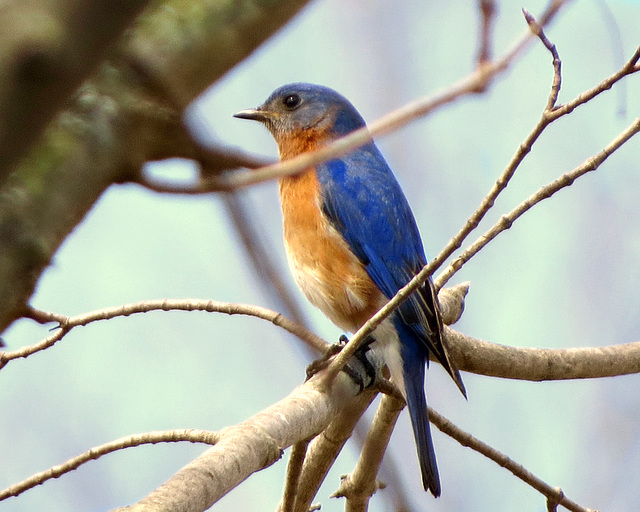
x=352, y=243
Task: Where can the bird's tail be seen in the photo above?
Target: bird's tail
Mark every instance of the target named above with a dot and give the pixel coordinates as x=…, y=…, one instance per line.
x=414, y=368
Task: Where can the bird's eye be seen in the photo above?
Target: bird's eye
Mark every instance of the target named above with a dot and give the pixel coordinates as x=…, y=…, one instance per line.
x=291, y=101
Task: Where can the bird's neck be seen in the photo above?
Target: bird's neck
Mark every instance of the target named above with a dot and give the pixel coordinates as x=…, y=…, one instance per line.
x=303, y=141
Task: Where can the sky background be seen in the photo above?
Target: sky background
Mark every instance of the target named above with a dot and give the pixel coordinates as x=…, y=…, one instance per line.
x=565, y=275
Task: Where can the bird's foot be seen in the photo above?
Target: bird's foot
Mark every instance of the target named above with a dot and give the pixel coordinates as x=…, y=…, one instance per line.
x=359, y=368
x=320, y=364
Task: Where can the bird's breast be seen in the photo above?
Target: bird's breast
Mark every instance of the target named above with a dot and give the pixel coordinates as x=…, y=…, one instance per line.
x=328, y=273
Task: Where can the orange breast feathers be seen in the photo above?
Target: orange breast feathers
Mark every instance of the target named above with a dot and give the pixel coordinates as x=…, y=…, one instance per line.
x=324, y=267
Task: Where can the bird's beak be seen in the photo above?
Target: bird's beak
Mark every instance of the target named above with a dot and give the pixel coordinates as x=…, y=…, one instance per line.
x=255, y=114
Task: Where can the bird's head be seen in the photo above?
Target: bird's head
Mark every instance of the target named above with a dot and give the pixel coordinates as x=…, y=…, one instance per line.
x=308, y=112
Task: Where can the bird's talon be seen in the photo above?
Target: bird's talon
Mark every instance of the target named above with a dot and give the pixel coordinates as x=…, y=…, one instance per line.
x=321, y=363
x=360, y=369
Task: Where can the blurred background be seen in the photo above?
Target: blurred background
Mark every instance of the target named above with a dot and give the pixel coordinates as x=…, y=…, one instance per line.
x=564, y=275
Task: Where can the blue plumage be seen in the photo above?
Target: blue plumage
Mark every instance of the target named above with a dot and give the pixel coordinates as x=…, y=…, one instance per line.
x=365, y=203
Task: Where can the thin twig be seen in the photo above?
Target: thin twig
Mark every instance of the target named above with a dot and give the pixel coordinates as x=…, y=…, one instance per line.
x=294, y=470
x=361, y=484
x=325, y=448
x=507, y=220
x=548, y=116
x=470, y=354
x=488, y=9
x=164, y=436
x=523, y=150
x=68, y=323
x=557, y=76
x=632, y=66
x=471, y=84
x=466, y=439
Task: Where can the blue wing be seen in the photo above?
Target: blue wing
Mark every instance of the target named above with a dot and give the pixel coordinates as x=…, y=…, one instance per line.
x=364, y=202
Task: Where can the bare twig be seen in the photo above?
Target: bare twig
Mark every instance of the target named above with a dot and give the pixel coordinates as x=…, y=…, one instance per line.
x=507, y=220
x=164, y=436
x=68, y=323
x=453, y=299
x=325, y=448
x=471, y=84
x=294, y=470
x=466, y=439
x=361, y=484
x=632, y=66
x=488, y=10
x=471, y=354
x=557, y=76
x=549, y=115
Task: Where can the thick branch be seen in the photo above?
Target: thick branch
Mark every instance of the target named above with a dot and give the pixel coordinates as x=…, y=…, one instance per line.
x=46, y=48
x=538, y=364
x=249, y=447
x=92, y=145
x=186, y=45
x=325, y=448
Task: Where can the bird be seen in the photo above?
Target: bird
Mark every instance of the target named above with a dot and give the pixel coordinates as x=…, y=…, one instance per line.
x=352, y=242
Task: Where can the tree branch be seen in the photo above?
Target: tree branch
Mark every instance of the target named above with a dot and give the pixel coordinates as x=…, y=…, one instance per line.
x=358, y=486
x=294, y=470
x=213, y=37
x=250, y=446
x=47, y=48
x=540, y=364
x=452, y=299
x=471, y=354
x=165, y=436
x=566, y=180
x=257, y=443
x=471, y=84
x=68, y=323
x=325, y=448
x=550, y=114
x=119, y=119
x=552, y=494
